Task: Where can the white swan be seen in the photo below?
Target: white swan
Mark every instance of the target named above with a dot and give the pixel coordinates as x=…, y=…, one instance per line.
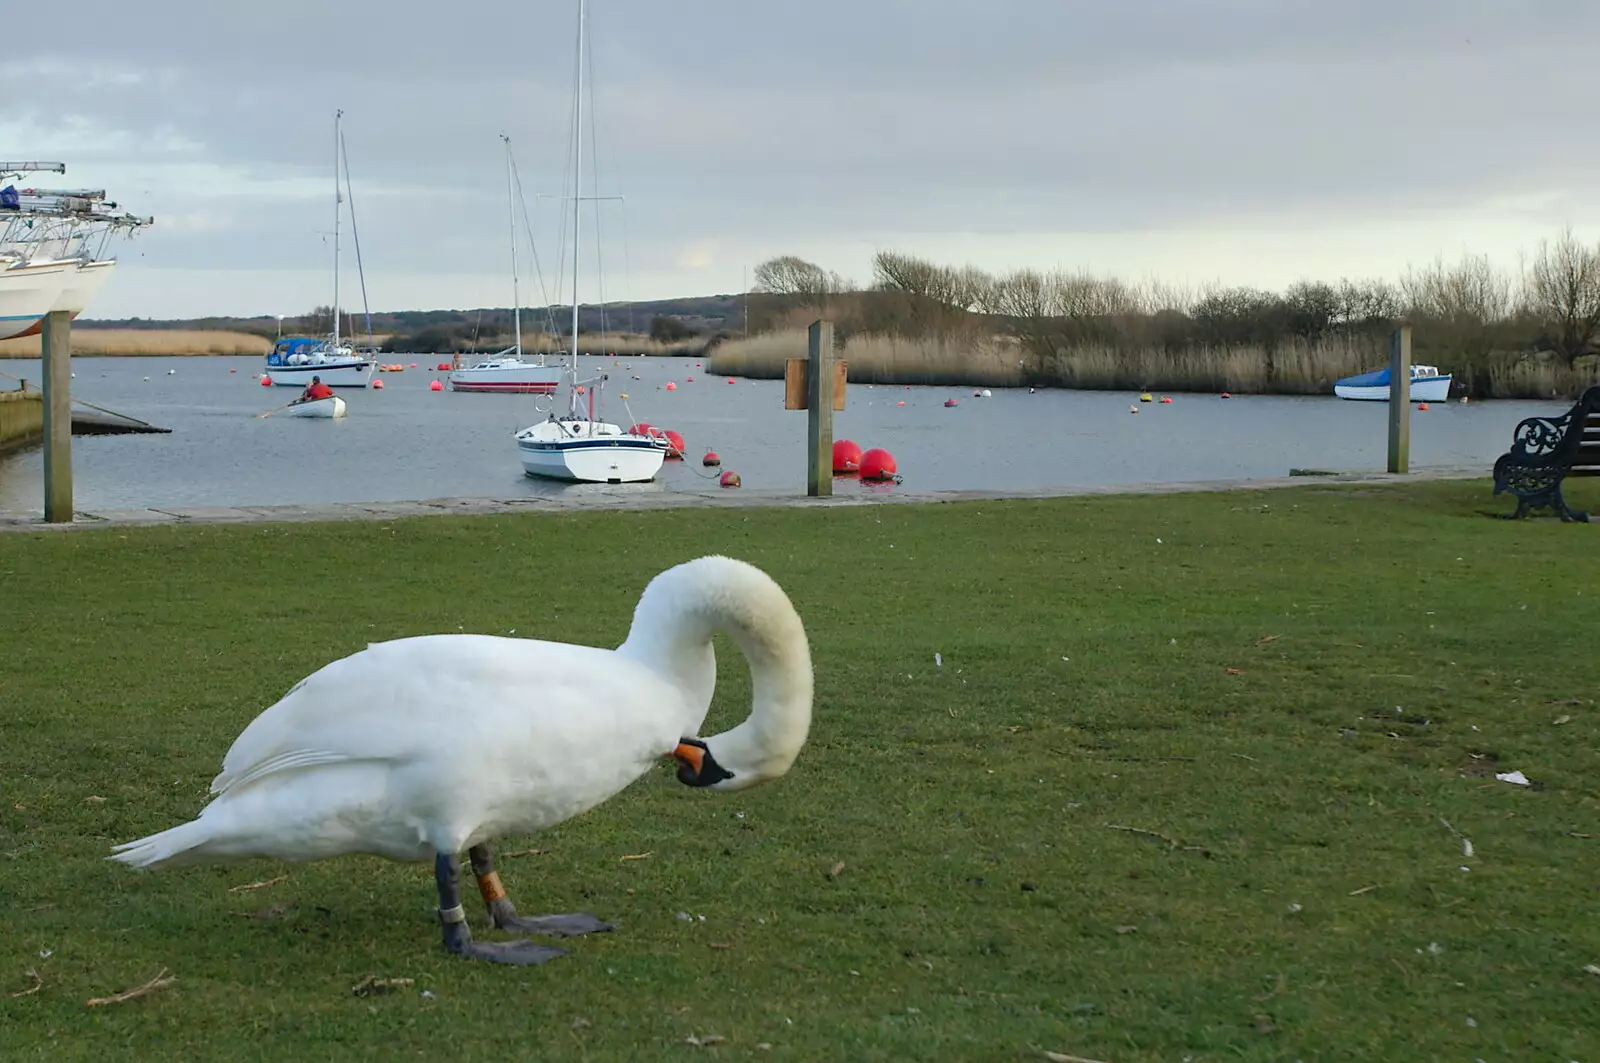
x=421, y=747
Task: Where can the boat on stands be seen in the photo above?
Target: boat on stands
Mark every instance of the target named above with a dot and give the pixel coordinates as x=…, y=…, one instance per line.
x=53, y=245
x=29, y=291
x=1427, y=385
x=329, y=407
x=578, y=446
x=508, y=371
x=296, y=359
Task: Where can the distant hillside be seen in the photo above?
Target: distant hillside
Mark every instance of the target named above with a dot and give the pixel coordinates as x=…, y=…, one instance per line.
x=705, y=314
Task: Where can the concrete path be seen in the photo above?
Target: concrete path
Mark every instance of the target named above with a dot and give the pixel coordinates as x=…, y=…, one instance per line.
x=602, y=497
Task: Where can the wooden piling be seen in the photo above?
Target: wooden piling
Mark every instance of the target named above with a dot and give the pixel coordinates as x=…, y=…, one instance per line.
x=819, y=406
x=57, y=349
x=1400, y=399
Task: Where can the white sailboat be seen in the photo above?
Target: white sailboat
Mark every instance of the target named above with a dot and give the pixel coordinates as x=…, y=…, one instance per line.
x=508, y=371
x=296, y=359
x=578, y=446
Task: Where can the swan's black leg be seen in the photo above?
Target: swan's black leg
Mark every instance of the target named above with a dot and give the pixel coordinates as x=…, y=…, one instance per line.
x=458, y=937
x=504, y=914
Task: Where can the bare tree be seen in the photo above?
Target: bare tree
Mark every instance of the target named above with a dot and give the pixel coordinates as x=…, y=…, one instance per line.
x=1564, y=290
x=1471, y=292
x=795, y=277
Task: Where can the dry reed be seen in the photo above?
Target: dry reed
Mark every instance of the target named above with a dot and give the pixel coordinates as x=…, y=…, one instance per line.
x=122, y=342
x=1293, y=367
x=874, y=359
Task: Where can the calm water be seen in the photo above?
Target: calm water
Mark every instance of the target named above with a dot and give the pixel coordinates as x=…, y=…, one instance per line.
x=407, y=443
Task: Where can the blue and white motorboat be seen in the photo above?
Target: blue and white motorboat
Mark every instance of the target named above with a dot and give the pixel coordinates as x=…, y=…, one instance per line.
x=1427, y=385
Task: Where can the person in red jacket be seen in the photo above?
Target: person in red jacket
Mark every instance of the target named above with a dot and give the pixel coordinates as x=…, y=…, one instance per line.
x=317, y=390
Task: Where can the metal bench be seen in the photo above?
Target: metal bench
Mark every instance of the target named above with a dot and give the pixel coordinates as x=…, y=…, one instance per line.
x=1545, y=451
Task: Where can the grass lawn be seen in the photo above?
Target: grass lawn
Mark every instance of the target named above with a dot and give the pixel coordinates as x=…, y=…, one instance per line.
x=1179, y=790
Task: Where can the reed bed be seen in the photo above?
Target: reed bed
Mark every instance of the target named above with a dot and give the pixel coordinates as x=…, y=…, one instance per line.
x=1295, y=367
x=127, y=342
x=995, y=361
x=624, y=344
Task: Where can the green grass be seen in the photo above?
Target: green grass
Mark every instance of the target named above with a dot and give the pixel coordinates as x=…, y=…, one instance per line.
x=1394, y=647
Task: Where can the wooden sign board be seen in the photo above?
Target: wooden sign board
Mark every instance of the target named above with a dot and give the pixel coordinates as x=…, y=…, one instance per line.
x=797, y=377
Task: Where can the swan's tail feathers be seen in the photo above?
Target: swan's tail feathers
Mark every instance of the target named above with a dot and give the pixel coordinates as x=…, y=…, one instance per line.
x=176, y=846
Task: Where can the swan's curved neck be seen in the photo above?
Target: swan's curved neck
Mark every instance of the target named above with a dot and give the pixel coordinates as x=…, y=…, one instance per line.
x=672, y=628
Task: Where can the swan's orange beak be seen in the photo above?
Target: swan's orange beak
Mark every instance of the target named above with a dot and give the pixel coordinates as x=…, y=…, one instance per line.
x=691, y=755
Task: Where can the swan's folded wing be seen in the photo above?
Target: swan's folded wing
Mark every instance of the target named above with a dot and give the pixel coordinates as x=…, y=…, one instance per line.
x=406, y=700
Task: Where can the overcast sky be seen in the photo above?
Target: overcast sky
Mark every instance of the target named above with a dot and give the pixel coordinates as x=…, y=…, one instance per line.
x=1240, y=141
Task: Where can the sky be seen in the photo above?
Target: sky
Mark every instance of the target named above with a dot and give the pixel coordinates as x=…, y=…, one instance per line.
x=1193, y=142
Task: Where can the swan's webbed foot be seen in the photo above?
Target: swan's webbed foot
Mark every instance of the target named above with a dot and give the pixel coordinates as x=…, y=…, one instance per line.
x=503, y=914
x=458, y=941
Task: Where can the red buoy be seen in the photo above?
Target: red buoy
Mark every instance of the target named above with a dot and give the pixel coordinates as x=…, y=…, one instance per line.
x=643, y=428
x=729, y=479
x=671, y=386
x=730, y=380
x=877, y=464
x=712, y=458
x=266, y=381
x=674, y=444
x=436, y=386
x=377, y=385
x=951, y=402
x=443, y=367
x=1226, y=395
x=846, y=458
x=1422, y=405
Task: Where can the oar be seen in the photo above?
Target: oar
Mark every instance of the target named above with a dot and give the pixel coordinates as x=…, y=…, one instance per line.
x=285, y=406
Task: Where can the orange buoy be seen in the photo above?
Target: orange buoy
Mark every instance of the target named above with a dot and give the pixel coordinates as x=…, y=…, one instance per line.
x=1422, y=405
x=671, y=386
x=877, y=464
x=266, y=381
x=729, y=479
x=674, y=444
x=902, y=402
x=643, y=428
x=846, y=458
x=436, y=386
x=377, y=385
x=1166, y=400
x=582, y=390
x=951, y=402
x=730, y=380
x=711, y=458
x=443, y=367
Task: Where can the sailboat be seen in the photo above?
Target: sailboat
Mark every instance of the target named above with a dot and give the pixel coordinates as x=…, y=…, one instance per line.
x=577, y=445
x=296, y=359
x=507, y=371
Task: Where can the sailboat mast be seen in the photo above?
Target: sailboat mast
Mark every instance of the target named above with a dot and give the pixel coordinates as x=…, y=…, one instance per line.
x=338, y=198
x=511, y=211
x=577, y=173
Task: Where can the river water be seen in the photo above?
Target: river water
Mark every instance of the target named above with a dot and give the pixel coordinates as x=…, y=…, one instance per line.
x=406, y=442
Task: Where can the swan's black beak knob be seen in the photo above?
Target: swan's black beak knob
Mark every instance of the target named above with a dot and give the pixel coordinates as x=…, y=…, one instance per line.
x=696, y=765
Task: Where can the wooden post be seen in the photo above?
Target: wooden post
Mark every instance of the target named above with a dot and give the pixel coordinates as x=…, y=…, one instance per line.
x=57, y=347
x=819, y=404
x=1400, y=399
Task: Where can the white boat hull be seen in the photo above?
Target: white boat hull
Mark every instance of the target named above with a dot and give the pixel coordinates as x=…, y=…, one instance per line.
x=28, y=293
x=344, y=373
x=1433, y=389
x=332, y=406
x=589, y=452
x=513, y=377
